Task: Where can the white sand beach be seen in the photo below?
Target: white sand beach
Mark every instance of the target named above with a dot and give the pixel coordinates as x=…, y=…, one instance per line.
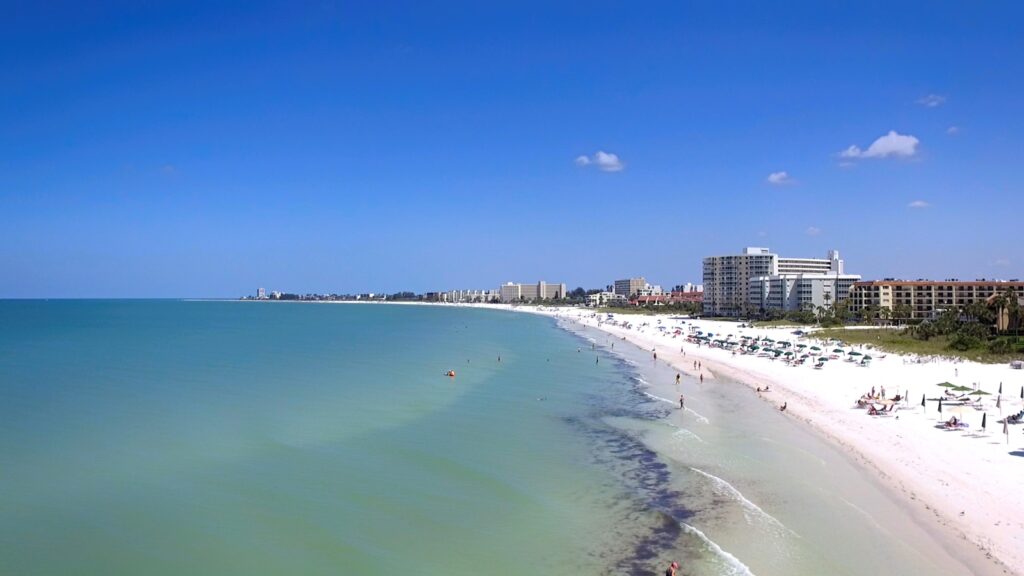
x=965, y=481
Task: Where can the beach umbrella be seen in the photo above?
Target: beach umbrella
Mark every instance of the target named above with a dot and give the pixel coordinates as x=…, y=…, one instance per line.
x=984, y=418
x=815, y=348
x=922, y=401
x=940, y=405
x=999, y=402
x=1000, y=387
x=866, y=357
x=789, y=353
x=839, y=351
x=1006, y=429
x=962, y=389
x=980, y=393
x=855, y=353
x=801, y=345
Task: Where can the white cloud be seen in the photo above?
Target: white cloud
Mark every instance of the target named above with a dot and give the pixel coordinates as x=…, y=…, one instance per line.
x=813, y=231
x=605, y=161
x=918, y=204
x=892, y=144
x=779, y=178
x=953, y=130
x=932, y=100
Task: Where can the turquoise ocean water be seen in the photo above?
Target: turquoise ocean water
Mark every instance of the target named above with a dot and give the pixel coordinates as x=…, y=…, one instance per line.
x=162, y=437
x=174, y=437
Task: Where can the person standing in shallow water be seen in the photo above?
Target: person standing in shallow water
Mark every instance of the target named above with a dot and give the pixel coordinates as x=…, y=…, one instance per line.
x=682, y=402
x=677, y=379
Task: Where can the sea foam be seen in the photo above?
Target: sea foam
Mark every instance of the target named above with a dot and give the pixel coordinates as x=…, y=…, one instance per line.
x=731, y=565
x=723, y=487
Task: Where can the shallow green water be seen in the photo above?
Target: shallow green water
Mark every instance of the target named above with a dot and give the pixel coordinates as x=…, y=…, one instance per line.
x=167, y=437
x=244, y=438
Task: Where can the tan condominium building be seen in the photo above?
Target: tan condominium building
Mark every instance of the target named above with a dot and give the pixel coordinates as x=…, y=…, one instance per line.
x=926, y=298
x=727, y=279
x=511, y=292
x=630, y=286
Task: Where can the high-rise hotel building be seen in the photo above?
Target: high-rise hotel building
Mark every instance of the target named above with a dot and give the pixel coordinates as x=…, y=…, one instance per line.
x=510, y=292
x=758, y=280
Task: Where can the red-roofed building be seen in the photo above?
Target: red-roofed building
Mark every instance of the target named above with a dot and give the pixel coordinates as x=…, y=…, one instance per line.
x=663, y=299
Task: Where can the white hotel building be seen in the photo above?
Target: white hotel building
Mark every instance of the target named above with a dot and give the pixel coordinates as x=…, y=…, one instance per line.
x=758, y=280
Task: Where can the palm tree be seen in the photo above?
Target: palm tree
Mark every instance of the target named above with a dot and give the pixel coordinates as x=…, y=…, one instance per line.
x=885, y=313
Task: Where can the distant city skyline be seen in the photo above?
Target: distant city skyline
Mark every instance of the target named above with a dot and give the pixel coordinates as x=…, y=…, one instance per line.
x=193, y=150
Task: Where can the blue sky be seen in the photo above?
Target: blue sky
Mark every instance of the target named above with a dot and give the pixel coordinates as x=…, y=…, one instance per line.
x=206, y=149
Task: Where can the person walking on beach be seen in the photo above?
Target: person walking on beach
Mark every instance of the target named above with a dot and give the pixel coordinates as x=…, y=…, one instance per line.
x=682, y=402
x=677, y=379
x=671, y=571
x=701, y=377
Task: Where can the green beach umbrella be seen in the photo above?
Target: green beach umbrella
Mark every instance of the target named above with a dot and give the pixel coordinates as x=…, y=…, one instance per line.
x=866, y=357
x=789, y=353
x=963, y=389
x=946, y=385
x=839, y=351
x=815, y=348
x=855, y=353
x=980, y=393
